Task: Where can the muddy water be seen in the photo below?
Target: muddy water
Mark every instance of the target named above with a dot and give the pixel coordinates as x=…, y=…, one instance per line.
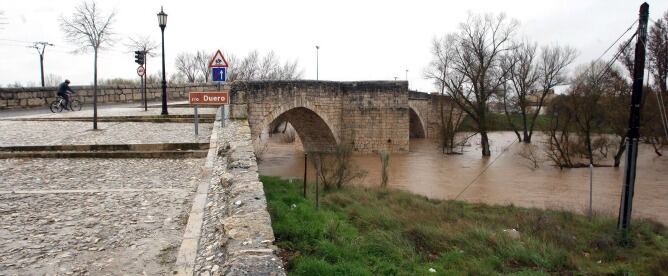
x=504, y=178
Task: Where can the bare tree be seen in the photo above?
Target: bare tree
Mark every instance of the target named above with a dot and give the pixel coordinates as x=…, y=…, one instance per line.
x=91, y=30
x=53, y=79
x=268, y=67
x=202, y=59
x=337, y=169
x=142, y=43
x=186, y=64
x=437, y=71
x=248, y=67
x=533, y=77
x=590, y=108
x=658, y=52
x=474, y=72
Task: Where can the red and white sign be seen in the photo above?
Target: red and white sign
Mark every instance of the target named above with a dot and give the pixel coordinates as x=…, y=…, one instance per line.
x=141, y=71
x=218, y=60
x=208, y=98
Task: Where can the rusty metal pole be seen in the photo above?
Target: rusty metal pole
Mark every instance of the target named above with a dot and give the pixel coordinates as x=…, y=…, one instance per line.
x=317, y=187
x=305, y=166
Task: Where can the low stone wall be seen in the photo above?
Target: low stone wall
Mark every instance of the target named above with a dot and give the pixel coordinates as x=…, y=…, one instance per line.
x=41, y=96
x=236, y=236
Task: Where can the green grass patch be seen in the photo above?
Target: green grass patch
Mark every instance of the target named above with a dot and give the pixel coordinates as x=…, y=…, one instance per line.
x=362, y=231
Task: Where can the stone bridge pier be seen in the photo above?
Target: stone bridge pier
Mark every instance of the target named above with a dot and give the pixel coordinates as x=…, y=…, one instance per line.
x=369, y=116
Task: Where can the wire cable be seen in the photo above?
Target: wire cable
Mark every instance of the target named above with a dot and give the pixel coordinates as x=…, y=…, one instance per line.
x=617, y=40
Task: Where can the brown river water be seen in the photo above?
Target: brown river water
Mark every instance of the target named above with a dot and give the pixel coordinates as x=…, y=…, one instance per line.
x=504, y=178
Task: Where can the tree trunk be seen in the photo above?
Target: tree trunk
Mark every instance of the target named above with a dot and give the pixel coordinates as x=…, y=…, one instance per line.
x=95, y=91
x=527, y=138
x=484, y=142
x=482, y=128
x=444, y=132
x=590, y=152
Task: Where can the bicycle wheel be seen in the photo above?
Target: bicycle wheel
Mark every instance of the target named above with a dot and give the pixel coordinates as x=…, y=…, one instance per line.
x=55, y=106
x=75, y=105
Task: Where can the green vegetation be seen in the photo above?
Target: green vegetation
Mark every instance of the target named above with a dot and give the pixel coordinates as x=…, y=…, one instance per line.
x=360, y=231
x=499, y=122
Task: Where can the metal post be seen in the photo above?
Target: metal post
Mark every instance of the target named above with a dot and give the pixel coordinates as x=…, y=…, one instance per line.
x=145, y=80
x=317, y=187
x=626, y=205
x=196, y=121
x=591, y=189
x=305, y=166
x=317, y=62
x=164, y=80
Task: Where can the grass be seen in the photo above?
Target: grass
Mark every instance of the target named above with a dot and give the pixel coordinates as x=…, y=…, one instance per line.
x=362, y=231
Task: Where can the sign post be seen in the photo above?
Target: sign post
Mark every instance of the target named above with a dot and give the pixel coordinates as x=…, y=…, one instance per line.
x=207, y=98
x=141, y=71
x=219, y=66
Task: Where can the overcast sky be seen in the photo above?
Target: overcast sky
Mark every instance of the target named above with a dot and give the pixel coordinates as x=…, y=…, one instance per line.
x=359, y=40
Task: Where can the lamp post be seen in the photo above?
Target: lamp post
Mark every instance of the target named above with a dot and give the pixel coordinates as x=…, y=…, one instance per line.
x=317, y=62
x=162, y=21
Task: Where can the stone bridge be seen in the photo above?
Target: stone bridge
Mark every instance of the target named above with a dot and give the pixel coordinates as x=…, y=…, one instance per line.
x=371, y=116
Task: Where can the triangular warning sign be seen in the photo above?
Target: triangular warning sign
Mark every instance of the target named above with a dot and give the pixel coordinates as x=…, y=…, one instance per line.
x=218, y=60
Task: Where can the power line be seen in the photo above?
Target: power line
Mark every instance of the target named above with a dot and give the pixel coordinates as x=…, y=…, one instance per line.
x=617, y=40
x=614, y=58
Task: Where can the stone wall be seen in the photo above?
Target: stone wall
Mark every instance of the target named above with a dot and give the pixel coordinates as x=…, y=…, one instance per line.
x=376, y=116
x=41, y=96
x=427, y=107
x=236, y=236
x=371, y=116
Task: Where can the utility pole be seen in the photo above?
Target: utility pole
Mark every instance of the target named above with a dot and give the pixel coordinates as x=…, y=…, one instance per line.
x=633, y=135
x=43, y=45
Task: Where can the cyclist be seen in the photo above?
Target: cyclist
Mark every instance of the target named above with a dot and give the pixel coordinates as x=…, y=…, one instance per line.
x=62, y=92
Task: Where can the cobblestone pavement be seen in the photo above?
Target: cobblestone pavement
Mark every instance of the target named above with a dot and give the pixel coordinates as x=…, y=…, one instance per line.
x=22, y=133
x=131, y=230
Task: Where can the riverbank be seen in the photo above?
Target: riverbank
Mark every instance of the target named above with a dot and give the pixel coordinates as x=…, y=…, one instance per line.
x=369, y=231
x=504, y=178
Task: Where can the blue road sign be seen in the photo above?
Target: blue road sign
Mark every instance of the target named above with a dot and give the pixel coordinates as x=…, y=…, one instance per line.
x=218, y=73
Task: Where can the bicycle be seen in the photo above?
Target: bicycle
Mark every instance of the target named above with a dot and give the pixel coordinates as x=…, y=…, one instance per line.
x=59, y=104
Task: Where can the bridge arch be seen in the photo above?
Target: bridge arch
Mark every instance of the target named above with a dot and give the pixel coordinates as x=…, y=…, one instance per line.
x=315, y=130
x=416, y=124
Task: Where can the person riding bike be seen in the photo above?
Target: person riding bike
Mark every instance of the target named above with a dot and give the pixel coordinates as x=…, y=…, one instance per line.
x=62, y=92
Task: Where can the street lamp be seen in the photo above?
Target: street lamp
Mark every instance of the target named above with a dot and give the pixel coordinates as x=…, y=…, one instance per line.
x=162, y=21
x=317, y=62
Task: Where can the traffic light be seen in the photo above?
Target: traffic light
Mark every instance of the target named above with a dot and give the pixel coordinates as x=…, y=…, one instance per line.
x=139, y=57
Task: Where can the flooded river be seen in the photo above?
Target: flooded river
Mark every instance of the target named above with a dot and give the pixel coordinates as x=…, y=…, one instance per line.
x=504, y=178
